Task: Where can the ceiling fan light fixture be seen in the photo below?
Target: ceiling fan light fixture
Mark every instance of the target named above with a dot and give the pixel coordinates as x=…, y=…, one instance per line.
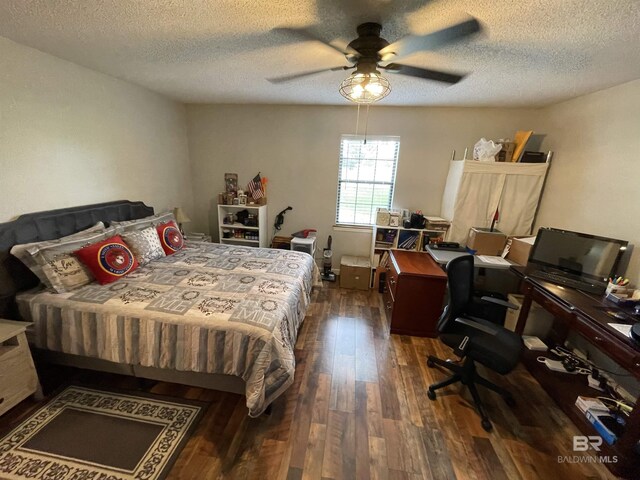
x=365, y=88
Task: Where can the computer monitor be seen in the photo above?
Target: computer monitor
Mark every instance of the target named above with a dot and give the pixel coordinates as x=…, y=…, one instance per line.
x=581, y=255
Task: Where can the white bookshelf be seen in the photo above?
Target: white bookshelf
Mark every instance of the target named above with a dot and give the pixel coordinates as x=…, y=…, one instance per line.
x=385, y=238
x=241, y=234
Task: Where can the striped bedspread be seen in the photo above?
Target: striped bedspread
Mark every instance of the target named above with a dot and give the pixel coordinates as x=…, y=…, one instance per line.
x=209, y=308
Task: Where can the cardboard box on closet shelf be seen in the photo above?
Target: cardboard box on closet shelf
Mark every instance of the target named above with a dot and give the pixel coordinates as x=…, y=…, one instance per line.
x=506, y=153
x=519, y=249
x=486, y=242
x=355, y=272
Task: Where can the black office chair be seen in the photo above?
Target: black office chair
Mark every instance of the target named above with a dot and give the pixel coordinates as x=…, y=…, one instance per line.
x=473, y=339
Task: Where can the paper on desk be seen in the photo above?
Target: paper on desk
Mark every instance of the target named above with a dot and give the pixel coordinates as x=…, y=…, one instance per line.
x=623, y=328
x=492, y=259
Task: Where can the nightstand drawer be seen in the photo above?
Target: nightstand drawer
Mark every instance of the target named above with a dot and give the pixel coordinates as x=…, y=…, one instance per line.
x=18, y=378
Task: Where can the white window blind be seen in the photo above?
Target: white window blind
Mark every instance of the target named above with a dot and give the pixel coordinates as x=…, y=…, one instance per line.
x=366, y=177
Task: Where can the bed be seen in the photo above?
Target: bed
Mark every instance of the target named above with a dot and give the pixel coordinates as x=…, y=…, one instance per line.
x=210, y=315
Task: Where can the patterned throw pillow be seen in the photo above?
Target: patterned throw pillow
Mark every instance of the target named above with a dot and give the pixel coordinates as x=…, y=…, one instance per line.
x=145, y=245
x=62, y=269
x=31, y=254
x=108, y=260
x=66, y=273
x=170, y=237
x=142, y=223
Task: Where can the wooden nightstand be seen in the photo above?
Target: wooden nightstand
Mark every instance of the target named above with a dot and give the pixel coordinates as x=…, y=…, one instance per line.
x=18, y=377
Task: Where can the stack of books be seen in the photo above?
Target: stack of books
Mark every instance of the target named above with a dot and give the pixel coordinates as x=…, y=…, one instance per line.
x=607, y=424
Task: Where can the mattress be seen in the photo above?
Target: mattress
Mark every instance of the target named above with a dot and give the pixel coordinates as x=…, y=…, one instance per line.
x=208, y=308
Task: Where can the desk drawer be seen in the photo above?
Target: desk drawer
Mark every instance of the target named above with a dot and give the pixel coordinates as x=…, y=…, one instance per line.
x=552, y=307
x=392, y=280
x=625, y=355
x=387, y=301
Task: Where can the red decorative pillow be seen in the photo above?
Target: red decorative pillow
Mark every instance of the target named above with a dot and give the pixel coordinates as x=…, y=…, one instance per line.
x=170, y=237
x=108, y=260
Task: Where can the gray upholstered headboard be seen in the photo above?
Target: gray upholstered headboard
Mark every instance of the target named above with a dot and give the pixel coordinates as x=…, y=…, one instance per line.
x=36, y=227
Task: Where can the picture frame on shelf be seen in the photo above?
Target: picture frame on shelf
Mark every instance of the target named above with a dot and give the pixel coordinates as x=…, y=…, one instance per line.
x=231, y=183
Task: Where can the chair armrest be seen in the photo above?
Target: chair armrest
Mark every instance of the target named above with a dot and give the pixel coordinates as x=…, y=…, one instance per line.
x=478, y=326
x=497, y=301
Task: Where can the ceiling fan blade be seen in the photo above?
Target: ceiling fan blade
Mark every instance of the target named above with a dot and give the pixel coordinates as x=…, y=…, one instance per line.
x=417, y=43
x=305, y=35
x=425, y=73
x=295, y=76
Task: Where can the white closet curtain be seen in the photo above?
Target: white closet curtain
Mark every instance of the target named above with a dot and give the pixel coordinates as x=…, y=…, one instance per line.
x=513, y=188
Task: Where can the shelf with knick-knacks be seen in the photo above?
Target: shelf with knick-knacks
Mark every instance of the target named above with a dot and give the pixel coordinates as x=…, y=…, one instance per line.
x=387, y=237
x=243, y=225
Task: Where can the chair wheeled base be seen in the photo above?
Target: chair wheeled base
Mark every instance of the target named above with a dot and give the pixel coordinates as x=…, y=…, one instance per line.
x=469, y=376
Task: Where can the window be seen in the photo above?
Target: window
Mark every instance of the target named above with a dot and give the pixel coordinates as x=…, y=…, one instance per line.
x=366, y=177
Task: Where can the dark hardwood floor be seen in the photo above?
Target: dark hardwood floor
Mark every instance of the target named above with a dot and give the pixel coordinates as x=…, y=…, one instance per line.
x=358, y=410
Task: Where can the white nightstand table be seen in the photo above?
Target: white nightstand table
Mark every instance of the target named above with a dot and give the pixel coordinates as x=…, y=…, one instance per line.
x=18, y=377
x=197, y=238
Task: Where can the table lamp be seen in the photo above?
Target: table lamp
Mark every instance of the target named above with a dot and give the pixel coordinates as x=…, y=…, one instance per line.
x=181, y=217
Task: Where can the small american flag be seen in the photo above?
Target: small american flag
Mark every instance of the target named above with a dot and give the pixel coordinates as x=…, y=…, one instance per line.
x=255, y=187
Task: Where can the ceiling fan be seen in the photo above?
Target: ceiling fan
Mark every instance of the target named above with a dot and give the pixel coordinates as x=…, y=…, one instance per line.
x=370, y=52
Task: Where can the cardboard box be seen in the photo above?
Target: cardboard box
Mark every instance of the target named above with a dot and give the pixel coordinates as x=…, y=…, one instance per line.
x=519, y=249
x=355, y=272
x=539, y=321
x=281, y=242
x=486, y=242
x=437, y=223
x=506, y=153
x=253, y=202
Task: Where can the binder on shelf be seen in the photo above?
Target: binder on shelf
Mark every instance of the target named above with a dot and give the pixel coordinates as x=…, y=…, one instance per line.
x=521, y=139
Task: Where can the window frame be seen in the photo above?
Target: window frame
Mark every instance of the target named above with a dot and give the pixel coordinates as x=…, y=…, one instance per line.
x=392, y=183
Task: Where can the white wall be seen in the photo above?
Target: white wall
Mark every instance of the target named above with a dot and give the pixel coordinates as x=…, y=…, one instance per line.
x=594, y=181
x=71, y=136
x=297, y=147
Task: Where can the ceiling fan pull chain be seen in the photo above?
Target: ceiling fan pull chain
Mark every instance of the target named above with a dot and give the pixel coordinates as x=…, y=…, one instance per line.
x=366, y=123
x=358, y=120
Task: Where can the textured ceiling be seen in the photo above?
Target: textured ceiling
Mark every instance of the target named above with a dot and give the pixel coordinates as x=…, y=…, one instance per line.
x=532, y=53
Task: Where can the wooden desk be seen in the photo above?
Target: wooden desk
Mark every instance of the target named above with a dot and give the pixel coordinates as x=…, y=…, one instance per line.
x=586, y=314
x=414, y=293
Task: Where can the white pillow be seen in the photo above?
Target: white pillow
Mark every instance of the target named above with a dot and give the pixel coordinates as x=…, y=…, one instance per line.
x=27, y=252
x=142, y=223
x=145, y=244
x=64, y=272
